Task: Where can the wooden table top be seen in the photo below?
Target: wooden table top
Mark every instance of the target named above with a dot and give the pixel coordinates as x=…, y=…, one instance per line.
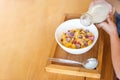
x=26, y=35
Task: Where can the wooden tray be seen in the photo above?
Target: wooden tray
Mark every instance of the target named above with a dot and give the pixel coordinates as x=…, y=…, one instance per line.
x=76, y=70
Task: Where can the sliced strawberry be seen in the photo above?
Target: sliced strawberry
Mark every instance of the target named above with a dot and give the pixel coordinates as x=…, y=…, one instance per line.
x=91, y=37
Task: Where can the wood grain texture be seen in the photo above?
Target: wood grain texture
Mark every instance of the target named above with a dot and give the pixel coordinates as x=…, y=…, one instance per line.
x=53, y=76
x=26, y=35
x=91, y=79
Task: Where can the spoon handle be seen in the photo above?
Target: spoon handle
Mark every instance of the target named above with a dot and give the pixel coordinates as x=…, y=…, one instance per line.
x=65, y=61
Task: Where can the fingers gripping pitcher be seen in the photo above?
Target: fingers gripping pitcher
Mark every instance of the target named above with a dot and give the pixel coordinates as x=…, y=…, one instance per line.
x=96, y=14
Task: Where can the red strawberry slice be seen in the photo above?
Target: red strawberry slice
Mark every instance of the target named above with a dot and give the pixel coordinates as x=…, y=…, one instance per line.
x=91, y=37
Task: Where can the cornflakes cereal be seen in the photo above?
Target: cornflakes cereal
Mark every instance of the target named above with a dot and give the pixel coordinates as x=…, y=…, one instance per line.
x=77, y=38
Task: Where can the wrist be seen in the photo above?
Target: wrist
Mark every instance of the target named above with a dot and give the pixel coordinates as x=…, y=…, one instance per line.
x=113, y=32
x=114, y=35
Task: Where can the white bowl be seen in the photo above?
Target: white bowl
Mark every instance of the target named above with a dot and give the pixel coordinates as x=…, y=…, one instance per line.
x=73, y=24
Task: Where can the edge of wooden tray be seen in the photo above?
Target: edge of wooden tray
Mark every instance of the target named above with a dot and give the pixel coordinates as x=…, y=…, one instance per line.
x=77, y=71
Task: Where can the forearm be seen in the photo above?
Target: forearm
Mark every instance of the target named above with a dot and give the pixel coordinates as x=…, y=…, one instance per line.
x=115, y=53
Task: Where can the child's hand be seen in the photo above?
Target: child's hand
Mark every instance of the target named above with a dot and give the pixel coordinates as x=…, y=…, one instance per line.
x=109, y=26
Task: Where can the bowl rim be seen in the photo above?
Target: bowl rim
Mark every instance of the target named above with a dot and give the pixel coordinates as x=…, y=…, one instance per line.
x=84, y=28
